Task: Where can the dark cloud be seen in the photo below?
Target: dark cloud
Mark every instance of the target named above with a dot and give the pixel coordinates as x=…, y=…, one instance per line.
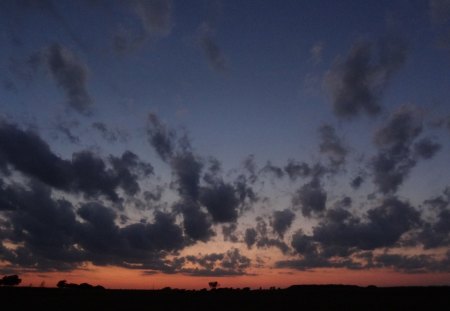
x=383, y=226
x=357, y=82
x=50, y=237
x=160, y=137
x=230, y=263
x=250, y=237
x=332, y=146
x=111, y=135
x=403, y=126
x=71, y=75
x=311, y=198
x=265, y=242
x=395, y=158
x=282, y=221
x=214, y=55
x=229, y=233
x=426, y=148
x=196, y=223
x=304, y=244
x=412, y=264
x=221, y=202
x=437, y=233
x=357, y=182
x=296, y=169
x=187, y=169
x=85, y=172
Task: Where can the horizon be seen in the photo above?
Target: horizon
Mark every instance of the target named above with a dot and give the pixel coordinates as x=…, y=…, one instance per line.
x=165, y=143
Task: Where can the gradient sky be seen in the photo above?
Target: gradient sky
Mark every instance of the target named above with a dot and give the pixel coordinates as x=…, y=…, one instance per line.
x=157, y=143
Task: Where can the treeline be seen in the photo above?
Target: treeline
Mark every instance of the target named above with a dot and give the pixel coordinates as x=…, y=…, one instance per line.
x=10, y=280
x=64, y=284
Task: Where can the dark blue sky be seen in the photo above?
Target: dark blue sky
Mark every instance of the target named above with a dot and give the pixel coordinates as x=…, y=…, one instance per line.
x=335, y=113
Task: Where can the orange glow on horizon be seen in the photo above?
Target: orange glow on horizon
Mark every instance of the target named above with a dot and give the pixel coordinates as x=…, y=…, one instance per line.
x=121, y=278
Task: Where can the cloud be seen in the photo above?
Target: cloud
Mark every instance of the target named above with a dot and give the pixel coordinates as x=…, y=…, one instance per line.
x=229, y=233
x=265, y=242
x=281, y=221
x=65, y=128
x=383, y=227
x=109, y=134
x=357, y=182
x=250, y=237
x=53, y=235
x=221, y=202
x=426, y=148
x=85, y=172
x=296, y=169
x=71, y=75
x=421, y=263
x=214, y=55
x=357, y=83
x=310, y=198
x=196, y=223
x=160, y=137
x=155, y=15
x=275, y=171
x=332, y=146
x=394, y=139
x=230, y=263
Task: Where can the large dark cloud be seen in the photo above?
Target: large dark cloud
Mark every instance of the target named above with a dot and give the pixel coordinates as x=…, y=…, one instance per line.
x=383, y=226
x=221, y=202
x=250, y=237
x=357, y=83
x=397, y=155
x=282, y=220
x=50, y=237
x=197, y=224
x=85, y=173
x=70, y=74
x=310, y=198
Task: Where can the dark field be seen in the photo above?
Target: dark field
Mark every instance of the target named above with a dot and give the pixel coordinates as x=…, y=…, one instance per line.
x=293, y=298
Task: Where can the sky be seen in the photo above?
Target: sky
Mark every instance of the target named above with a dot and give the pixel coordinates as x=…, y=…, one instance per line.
x=146, y=144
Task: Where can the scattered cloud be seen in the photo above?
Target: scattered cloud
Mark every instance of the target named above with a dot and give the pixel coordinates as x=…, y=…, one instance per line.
x=357, y=82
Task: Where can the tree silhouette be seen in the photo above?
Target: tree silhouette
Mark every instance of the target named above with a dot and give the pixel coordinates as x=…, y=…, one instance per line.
x=10, y=280
x=213, y=285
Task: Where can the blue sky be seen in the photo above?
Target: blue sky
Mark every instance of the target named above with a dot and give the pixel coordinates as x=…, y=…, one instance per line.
x=352, y=88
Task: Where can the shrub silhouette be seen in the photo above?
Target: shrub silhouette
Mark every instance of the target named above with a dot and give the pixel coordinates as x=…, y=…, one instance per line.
x=213, y=285
x=64, y=284
x=10, y=280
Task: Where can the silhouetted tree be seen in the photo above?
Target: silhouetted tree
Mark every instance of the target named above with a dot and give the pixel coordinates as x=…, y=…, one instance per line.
x=61, y=284
x=10, y=280
x=213, y=285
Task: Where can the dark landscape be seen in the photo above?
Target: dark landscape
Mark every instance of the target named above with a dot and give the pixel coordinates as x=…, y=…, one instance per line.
x=300, y=297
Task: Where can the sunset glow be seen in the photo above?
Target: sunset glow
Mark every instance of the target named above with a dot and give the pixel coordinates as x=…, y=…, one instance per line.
x=147, y=144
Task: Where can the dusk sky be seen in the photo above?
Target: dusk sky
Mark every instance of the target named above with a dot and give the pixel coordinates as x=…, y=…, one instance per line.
x=157, y=143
